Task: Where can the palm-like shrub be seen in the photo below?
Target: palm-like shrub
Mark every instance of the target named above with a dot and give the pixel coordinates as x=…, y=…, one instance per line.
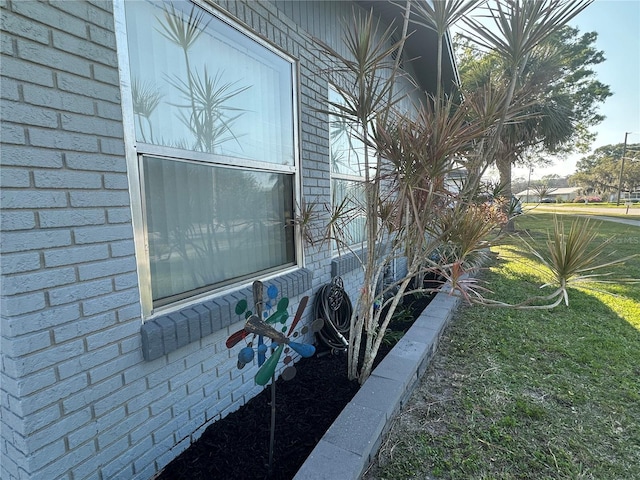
x=408, y=206
x=576, y=257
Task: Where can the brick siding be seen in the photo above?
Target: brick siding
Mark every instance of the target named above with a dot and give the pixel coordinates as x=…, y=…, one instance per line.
x=78, y=399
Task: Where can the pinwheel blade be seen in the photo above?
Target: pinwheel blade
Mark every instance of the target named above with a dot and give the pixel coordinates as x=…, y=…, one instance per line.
x=262, y=348
x=234, y=338
x=304, y=349
x=269, y=367
x=299, y=312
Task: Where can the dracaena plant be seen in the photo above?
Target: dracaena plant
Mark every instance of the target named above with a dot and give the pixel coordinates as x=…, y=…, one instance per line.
x=517, y=34
x=408, y=206
x=573, y=257
x=577, y=256
x=403, y=192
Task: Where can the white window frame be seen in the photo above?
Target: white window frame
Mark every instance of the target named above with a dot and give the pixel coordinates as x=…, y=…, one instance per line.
x=135, y=150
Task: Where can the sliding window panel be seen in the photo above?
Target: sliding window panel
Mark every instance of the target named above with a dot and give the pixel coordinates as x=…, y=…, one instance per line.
x=208, y=226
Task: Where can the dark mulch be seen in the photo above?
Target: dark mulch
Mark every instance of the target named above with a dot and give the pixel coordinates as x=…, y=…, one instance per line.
x=237, y=447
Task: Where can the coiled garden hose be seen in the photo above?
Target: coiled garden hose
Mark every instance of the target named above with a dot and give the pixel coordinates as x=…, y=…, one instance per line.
x=332, y=304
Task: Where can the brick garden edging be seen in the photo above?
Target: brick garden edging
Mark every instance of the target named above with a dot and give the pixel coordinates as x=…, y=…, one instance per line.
x=352, y=441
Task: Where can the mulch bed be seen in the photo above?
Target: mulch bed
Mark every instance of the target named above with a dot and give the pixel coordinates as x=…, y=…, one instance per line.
x=237, y=447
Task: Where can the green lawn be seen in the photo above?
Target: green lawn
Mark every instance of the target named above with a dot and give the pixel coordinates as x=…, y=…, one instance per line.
x=551, y=394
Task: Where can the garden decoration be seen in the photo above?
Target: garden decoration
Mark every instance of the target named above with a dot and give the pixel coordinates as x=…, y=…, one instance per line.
x=263, y=322
x=281, y=341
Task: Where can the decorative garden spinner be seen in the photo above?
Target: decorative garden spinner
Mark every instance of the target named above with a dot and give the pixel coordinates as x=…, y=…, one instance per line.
x=265, y=327
x=264, y=322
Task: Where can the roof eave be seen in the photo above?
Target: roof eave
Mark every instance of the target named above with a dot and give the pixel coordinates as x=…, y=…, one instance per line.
x=421, y=48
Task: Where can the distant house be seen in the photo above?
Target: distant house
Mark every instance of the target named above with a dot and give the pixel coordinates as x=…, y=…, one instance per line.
x=633, y=197
x=564, y=194
x=150, y=172
x=455, y=179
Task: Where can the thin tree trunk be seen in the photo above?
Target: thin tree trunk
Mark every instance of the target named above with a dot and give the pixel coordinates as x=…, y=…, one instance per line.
x=503, y=163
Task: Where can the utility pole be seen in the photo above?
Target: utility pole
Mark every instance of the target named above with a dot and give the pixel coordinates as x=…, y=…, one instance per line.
x=529, y=181
x=624, y=152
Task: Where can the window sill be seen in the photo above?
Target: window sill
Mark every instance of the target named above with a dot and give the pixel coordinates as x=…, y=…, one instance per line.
x=348, y=262
x=343, y=264
x=167, y=333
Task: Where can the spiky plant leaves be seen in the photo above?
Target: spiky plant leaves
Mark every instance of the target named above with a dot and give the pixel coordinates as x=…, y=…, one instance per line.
x=180, y=29
x=341, y=215
x=365, y=79
x=576, y=256
x=439, y=15
x=421, y=147
x=572, y=258
x=421, y=213
x=466, y=230
x=542, y=190
x=304, y=219
x=209, y=107
x=520, y=26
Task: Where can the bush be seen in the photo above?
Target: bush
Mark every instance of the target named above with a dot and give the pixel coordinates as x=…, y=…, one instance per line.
x=588, y=199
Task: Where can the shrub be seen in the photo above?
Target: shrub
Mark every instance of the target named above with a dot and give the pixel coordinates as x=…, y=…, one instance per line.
x=588, y=199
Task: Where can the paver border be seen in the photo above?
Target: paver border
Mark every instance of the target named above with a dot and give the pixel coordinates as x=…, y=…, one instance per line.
x=352, y=441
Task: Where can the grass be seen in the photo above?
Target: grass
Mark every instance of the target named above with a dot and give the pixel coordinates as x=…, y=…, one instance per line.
x=552, y=394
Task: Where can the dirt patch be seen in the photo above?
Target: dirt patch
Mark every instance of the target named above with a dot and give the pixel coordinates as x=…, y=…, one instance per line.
x=237, y=447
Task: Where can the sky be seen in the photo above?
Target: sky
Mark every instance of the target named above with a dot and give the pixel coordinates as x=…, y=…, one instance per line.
x=617, y=23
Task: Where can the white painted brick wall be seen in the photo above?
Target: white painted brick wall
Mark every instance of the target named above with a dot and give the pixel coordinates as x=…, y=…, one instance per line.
x=78, y=401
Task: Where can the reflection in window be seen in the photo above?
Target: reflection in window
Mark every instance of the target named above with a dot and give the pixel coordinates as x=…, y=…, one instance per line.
x=348, y=176
x=347, y=149
x=348, y=196
x=199, y=84
x=207, y=96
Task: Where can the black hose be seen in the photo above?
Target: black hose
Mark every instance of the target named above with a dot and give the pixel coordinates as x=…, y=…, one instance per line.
x=332, y=304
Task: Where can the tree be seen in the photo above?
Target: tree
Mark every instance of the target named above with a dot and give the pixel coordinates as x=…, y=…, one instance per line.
x=408, y=207
x=600, y=171
x=554, y=181
x=558, y=86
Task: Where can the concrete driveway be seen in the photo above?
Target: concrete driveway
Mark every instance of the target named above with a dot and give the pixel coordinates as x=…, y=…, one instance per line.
x=626, y=221
x=577, y=210
x=595, y=212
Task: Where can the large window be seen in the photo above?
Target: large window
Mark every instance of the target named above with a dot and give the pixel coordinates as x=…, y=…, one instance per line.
x=213, y=112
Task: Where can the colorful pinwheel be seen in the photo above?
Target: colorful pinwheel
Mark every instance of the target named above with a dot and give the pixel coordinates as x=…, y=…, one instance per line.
x=261, y=323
